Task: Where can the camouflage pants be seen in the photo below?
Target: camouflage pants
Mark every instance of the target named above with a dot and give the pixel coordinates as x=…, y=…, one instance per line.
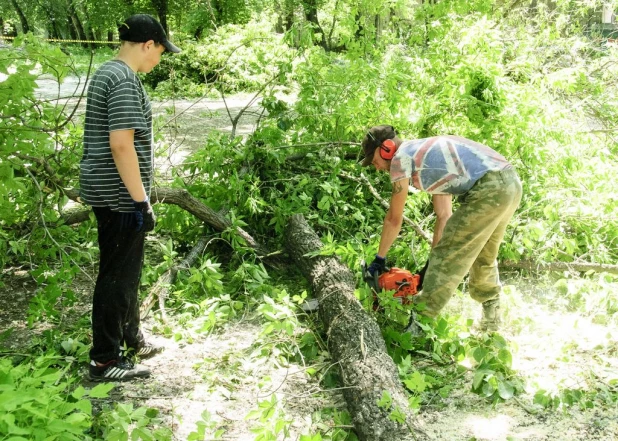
x=470, y=242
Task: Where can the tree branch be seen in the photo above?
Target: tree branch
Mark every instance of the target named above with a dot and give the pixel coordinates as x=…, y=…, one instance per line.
x=560, y=266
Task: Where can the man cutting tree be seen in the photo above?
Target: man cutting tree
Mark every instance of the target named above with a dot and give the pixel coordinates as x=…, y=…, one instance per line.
x=468, y=240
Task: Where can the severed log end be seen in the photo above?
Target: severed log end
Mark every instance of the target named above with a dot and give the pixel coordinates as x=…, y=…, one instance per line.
x=354, y=340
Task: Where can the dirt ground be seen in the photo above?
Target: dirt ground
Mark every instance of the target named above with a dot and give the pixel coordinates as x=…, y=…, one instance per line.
x=221, y=373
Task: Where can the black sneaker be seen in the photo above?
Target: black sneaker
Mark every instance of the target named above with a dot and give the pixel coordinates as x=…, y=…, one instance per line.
x=146, y=350
x=117, y=370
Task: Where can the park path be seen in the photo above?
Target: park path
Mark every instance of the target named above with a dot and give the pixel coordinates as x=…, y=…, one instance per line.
x=181, y=126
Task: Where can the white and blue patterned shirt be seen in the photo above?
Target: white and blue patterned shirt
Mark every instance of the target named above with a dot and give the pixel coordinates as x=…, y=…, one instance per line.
x=444, y=164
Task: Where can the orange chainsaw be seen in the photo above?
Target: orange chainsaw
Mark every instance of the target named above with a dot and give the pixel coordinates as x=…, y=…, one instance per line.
x=402, y=282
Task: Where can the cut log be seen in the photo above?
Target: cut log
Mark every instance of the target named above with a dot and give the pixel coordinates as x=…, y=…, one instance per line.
x=354, y=340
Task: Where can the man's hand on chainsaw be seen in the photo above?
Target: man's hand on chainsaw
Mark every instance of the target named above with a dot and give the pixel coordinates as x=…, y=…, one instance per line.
x=377, y=267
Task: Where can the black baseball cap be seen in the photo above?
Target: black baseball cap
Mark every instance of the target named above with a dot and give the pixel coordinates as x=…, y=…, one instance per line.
x=140, y=28
x=373, y=139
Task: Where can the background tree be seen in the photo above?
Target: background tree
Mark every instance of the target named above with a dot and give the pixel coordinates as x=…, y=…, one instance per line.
x=23, y=20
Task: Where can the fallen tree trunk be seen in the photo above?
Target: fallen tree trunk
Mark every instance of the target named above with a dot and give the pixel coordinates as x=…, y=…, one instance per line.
x=185, y=200
x=354, y=340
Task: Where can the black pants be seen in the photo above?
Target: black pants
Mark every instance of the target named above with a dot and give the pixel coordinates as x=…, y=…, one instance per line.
x=115, y=307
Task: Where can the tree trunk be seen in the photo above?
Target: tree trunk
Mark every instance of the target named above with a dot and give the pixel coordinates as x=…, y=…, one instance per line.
x=311, y=15
x=279, y=28
x=73, y=35
x=161, y=7
x=87, y=27
x=77, y=23
x=22, y=18
x=354, y=340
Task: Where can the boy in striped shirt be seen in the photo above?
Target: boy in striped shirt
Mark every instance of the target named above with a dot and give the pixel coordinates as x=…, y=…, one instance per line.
x=116, y=173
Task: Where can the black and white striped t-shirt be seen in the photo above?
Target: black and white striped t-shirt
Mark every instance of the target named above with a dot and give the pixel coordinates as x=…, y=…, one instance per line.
x=116, y=101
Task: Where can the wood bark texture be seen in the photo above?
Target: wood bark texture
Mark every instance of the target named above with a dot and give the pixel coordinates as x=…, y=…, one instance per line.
x=193, y=205
x=354, y=340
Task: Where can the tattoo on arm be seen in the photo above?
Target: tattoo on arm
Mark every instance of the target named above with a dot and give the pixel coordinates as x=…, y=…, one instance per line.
x=397, y=187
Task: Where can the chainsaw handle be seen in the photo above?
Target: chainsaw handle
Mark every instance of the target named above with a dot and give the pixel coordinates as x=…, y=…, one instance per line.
x=371, y=279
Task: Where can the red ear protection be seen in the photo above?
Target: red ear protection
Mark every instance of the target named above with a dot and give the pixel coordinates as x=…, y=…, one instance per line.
x=388, y=149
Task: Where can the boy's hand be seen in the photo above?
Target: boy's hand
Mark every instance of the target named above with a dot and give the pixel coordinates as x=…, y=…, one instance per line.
x=144, y=216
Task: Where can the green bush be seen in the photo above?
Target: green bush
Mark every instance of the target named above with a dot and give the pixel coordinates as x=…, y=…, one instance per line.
x=37, y=402
x=234, y=58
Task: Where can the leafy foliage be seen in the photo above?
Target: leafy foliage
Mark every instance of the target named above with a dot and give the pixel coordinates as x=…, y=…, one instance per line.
x=233, y=58
x=41, y=399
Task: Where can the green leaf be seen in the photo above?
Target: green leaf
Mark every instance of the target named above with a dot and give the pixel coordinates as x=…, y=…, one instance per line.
x=479, y=354
x=101, y=390
x=504, y=355
x=416, y=382
x=478, y=379
x=505, y=390
x=79, y=392
x=385, y=401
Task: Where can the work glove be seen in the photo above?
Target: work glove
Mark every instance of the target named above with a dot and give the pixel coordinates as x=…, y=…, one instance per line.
x=421, y=276
x=377, y=267
x=144, y=216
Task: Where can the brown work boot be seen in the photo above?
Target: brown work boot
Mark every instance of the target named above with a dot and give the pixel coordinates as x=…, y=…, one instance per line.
x=491, y=316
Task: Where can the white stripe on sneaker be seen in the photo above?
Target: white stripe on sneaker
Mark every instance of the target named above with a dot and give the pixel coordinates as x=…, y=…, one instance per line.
x=115, y=372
